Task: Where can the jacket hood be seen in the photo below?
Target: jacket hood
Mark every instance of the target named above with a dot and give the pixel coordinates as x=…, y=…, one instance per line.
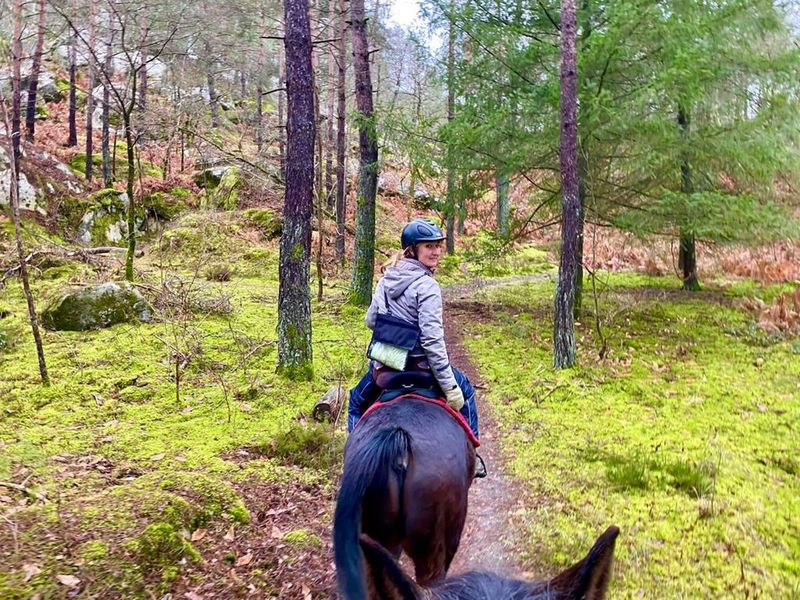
x=397, y=278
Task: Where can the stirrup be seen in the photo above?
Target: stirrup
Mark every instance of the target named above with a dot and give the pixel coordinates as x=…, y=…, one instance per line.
x=480, y=467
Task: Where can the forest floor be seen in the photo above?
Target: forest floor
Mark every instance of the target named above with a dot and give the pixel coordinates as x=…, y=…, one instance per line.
x=125, y=488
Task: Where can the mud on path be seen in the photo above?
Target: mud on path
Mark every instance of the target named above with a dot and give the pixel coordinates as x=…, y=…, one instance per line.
x=496, y=505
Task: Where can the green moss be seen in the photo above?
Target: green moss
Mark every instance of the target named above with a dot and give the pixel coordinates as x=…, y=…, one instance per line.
x=160, y=460
x=160, y=545
x=78, y=162
x=164, y=206
x=267, y=221
x=181, y=193
x=681, y=435
x=309, y=446
x=303, y=538
x=93, y=551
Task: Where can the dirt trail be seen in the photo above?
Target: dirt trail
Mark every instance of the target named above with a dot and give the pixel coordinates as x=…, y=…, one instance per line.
x=495, y=505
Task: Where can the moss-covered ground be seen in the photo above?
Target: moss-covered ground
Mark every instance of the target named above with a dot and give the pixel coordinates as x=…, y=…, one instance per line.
x=129, y=485
x=170, y=458
x=685, y=434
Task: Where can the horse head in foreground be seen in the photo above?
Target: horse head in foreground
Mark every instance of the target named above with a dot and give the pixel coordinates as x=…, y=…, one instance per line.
x=586, y=580
x=407, y=471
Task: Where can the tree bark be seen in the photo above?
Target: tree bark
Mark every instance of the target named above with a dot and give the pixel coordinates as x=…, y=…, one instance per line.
x=501, y=188
x=364, y=255
x=294, y=302
x=330, y=89
x=90, y=95
x=72, y=139
x=36, y=66
x=143, y=70
x=108, y=178
x=341, y=197
x=16, y=118
x=259, y=124
x=450, y=241
x=687, y=256
x=564, y=353
x=212, y=99
x=281, y=119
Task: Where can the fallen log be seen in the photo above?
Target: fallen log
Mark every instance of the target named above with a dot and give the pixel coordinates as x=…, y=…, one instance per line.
x=328, y=407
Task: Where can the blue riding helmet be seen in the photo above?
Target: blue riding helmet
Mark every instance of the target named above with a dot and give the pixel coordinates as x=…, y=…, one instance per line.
x=420, y=230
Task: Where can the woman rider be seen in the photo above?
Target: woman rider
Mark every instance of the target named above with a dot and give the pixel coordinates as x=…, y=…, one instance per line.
x=408, y=290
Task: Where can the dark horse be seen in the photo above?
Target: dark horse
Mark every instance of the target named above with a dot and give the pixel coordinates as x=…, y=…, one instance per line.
x=407, y=470
x=586, y=580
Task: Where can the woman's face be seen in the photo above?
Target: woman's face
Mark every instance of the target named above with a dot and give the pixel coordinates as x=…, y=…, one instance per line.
x=430, y=253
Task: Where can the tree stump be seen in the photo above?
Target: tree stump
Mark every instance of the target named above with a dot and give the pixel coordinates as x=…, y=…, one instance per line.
x=328, y=407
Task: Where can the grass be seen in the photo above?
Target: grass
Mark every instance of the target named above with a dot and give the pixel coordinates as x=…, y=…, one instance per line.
x=685, y=435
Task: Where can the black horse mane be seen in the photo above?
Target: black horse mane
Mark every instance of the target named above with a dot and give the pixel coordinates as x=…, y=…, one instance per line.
x=480, y=585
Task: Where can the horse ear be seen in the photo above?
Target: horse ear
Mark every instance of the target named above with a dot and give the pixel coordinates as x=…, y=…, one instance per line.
x=385, y=578
x=589, y=578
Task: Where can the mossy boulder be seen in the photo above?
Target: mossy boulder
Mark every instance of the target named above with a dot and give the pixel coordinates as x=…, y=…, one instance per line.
x=105, y=219
x=97, y=307
x=164, y=206
x=225, y=194
x=266, y=221
x=210, y=178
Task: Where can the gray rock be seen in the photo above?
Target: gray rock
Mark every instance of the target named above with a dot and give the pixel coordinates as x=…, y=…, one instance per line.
x=97, y=307
x=211, y=177
x=107, y=223
x=29, y=196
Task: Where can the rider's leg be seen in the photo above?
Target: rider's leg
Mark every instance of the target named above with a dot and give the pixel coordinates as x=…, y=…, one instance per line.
x=361, y=396
x=469, y=410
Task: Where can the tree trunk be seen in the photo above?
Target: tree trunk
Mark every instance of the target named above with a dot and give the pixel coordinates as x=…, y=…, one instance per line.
x=341, y=197
x=16, y=118
x=501, y=187
x=564, y=353
x=259, y=124
x=90, y=95
x=33, y=83
x=212, y=99
x=108, y=178
x=583, y=169
x=281, y=119
x=450, y=241
x=364, y=254
x=127, y=112
x=687, y=256
x=294, y=302
x=143, y=70
x=72, y=139
x=330, y=90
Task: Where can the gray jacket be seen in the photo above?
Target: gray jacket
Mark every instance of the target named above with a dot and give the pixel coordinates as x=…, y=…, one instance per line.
x=414, y=295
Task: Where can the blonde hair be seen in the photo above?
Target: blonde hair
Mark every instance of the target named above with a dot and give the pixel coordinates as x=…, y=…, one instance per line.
x=397, y=257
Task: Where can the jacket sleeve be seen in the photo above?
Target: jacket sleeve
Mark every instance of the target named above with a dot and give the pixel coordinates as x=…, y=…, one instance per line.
x=431, y=326
x=374, y=306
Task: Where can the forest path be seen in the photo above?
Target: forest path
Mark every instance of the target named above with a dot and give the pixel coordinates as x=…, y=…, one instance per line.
x=496, y=506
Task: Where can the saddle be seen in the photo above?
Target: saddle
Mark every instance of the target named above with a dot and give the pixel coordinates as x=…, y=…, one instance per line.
x=440, y=402
x=417, y=378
